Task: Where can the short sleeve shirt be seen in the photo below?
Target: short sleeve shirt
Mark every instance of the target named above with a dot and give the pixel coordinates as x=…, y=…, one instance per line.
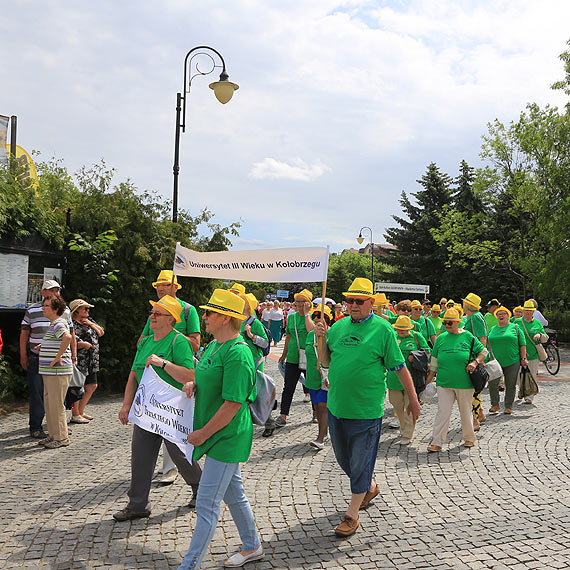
x=293, y=347
x=452, y=352
x=477, y=326
x=436, y=322
x=185, y=326
x=256, y=329
x=361, y=353
x=51, y=343
x=312, y=375
x=225, y=372
x=424, y=326
x=531, y=329
x=35, y=322
x=173, y=347
x=505, y=343
x=491, y=321
x=413, y=341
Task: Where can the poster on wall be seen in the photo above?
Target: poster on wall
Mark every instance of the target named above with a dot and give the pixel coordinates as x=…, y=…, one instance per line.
x=54, y=273
x=14, y=282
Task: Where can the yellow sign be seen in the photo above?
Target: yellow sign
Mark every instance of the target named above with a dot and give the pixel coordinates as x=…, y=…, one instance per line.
x=26, y=166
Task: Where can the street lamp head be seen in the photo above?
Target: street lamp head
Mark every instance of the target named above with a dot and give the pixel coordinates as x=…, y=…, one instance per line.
x=224, y=89
x=360, y=239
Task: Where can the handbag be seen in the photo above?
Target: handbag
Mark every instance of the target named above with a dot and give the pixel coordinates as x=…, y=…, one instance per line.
x=528, y=386
x=302, y=356
x=493, y=367
x=479, y=377
x=542, y=356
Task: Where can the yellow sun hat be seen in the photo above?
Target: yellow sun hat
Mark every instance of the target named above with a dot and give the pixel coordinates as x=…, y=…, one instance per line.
x=380, y=300
x=452, y=315
x=416, y=303
x=529, y=306
x=252, y=301
x=237, y=288
x=404, y=323
x=360, y=287
x=435, y=307
x=501, y=308
x=227, y=303
x=319, y=309
x=473, y=300
x=171, y=305
x=304, y=295
x=166, y=277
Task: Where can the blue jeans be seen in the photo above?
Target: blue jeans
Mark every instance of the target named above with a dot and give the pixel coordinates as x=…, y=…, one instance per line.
x=36, y=393
x=219, y=481
x=355, y=444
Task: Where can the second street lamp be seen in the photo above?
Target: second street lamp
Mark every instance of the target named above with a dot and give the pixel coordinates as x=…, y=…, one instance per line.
x=223, y=90
x=360, y=239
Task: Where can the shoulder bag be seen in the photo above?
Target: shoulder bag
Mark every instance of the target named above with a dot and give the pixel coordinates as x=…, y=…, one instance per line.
x=479, y=376
x=542, y=356
x=302, y=356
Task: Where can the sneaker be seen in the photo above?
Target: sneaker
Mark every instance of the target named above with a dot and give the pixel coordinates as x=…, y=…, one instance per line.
x=317, y=445
x=239, y=559
x=267, y=432
x=307, y=398
x=315, y=420
x=128, y=514
x=38, y=434
x=78, y=420
x=55, y=443
x=394, y=424
x=281, y=421
x=347, y=527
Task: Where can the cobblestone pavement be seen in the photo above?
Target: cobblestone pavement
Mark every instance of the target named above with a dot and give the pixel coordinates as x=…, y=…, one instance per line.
x=504, y=504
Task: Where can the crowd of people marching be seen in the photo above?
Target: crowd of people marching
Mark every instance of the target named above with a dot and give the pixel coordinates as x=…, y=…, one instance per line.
x=348, y=356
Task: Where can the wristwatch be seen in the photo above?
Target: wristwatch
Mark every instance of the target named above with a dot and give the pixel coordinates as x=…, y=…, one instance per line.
x=164, y=363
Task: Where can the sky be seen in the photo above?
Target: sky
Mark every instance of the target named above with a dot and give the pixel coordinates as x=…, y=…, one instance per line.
x=341, y=104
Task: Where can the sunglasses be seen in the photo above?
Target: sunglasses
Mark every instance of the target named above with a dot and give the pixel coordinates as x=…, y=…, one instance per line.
x=157, y=314
x=448, y=322
x=359, y=302
x=406, y=310
x=209, y=313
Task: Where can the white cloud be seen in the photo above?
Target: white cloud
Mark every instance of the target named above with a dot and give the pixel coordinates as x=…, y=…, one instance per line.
x=298, y=170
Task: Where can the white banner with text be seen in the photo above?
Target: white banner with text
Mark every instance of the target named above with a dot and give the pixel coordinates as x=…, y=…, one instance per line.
x=160, y=408
x=291, y=265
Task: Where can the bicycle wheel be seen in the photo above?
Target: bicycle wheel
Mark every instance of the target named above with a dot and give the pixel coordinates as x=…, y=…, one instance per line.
x=552, y=362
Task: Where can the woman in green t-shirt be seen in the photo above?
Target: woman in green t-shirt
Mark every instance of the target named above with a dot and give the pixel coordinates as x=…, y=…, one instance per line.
x=453, y=361
x=534, y=335
x=506, y=342
x=223, y=430
x=170, y=355
x=316, y=379
x=408, y=341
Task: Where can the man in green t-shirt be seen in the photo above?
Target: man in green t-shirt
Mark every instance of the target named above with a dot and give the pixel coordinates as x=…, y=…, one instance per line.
x=359, y=351
x=490, y=318
x=189, y=326
x=298, y=325
x=421, y=323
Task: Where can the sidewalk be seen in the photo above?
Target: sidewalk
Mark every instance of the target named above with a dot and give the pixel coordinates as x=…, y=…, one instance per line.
x=504, y=504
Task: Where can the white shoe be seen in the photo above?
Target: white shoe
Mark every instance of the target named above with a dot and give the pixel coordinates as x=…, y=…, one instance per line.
x=317, y=445
x=169, y=477
x=394, y=424
x=307, y=398
x=239, y=559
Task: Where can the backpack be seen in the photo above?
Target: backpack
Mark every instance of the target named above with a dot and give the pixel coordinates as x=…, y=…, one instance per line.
x=265, y=351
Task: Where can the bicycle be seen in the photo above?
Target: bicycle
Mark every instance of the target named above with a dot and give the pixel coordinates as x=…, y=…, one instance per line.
x=552, y=362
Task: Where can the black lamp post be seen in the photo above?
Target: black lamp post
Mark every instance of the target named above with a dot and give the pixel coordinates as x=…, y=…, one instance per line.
x=360, y=239
x=223, y=89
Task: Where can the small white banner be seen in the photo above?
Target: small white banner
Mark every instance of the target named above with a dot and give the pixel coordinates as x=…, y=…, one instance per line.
x=4, y=121
x=160, y=408
x=290, y=265
x=401, y=288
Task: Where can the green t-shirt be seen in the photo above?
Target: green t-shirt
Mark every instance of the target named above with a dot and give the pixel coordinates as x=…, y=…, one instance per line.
x=187, y=327
x=312, y=375
x=452, y=353
x=173, y=347
x=436, y=322
x=531, y=328
x=257, y=353
x=477, y=326
x=491, y=321
x=505, y=343
x=389, y=313
x=225, y=372
x=293, y=348
x=407, y=345
x=360, y=355
x=424, y=326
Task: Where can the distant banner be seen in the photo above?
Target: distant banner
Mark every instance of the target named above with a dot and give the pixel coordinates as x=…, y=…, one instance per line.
x=160, y=408
x=401, y=288
x=292, y=265
x=27, y=168
x=4, y=121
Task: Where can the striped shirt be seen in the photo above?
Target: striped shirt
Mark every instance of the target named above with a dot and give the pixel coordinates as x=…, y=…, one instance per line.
x=37, y=324
x=51, y=344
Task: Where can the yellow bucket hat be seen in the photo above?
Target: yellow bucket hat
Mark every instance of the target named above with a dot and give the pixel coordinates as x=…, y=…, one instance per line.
x=473, y=300
x=237, y=288
x=435, y=307
x=529, y=306
x=518, y=308
x=360, y=287
x=450, y=302
x=452, y=315
x=380, y=300
x=501, y=308
x=304, y=295
x=459, y=309
x=319, y=308
x=226, y=303
x=404, y=323
x=416, y=303
x=166, y=277
x=170, y=304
